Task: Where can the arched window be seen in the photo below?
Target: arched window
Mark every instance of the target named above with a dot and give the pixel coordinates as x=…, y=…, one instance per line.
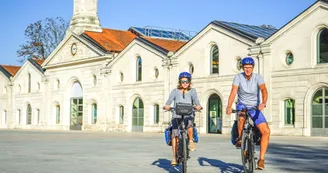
x=139, y=69
x=156, y=114
x=57, y=114
x=214, y=59
x=289, y=111
x=57, y=84
x=191, y=68
x=323, y=46
x=121, y=114
x=19, y=116
x=29, y=114
x=94, y=80
x=29, y=83
x=94, y=113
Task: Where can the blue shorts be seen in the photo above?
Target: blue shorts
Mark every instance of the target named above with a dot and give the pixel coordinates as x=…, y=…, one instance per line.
x=256, y=115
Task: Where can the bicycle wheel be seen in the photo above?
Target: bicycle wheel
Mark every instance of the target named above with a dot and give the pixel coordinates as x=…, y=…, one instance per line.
x=184, y=154
x=247, y=155
x=251, y=158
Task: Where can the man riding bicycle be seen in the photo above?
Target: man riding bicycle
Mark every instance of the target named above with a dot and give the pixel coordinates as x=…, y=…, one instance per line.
x=247, y=86
x=182, y=94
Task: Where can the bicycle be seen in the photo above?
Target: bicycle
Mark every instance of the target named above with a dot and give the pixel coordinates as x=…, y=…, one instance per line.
x=182, y=155
x=248, y=142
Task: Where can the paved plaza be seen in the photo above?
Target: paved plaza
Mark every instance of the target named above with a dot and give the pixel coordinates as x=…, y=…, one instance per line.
x=53, y=151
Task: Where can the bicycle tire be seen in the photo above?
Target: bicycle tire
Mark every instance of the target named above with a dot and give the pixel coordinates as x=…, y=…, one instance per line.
x=243, y=149
x=251, y=159
x=247, y=153
x=184, y=154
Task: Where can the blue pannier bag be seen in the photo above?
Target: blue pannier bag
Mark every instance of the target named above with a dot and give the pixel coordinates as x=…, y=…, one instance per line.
x=195, y=135
x=234, y=133
x=167, y=135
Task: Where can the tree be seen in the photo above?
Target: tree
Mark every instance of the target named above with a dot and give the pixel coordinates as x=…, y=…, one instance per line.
x=42, y=38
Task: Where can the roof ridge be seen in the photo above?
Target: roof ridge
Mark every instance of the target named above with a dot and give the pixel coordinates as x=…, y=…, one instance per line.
x=164, y=39
x=244, y=24
x=9, y=65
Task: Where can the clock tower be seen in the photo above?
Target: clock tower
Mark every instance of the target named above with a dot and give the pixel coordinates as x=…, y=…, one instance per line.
x=85, y=17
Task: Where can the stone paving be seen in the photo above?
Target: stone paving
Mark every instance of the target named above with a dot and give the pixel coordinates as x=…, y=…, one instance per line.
x=72, y=151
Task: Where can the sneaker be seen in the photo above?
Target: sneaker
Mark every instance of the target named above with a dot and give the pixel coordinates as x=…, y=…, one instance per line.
x=192, y=146
x=260, y=164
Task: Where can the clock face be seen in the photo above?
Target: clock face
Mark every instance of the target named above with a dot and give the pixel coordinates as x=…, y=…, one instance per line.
x=73, y=49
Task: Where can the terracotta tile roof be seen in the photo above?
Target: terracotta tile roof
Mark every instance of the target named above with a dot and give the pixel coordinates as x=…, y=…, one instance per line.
x=39, y=61
x=169, y=45
x=112, y=40
x=11, y=69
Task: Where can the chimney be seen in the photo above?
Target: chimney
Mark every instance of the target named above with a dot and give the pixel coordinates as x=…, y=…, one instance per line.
x=85, y=17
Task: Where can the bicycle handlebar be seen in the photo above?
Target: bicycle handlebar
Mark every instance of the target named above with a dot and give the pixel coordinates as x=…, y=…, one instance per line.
x=172, y=109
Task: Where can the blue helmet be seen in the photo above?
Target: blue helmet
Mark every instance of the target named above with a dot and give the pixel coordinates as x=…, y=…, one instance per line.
x=185, y=74
x=247, y=61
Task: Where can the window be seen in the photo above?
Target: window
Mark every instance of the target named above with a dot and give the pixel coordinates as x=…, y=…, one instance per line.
x=121, y=114
x=320, y=109
x=139, y=69
x=239, y=64
x=214, y=59
x=289, y=58
x=94, y=113
x=29, y=83
x=19, y=118
x=121, y=77
x=57, y=114
x=94, y=80
x=191, y=68
x=156, y=114
x=57, y=84
x=156, y=72
x=323, y=46
x=289, y=111
x=29, y=114
x=38, y=85
x=38, y=116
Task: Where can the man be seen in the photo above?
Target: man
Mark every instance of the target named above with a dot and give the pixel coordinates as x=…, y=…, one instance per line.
x=247, y=85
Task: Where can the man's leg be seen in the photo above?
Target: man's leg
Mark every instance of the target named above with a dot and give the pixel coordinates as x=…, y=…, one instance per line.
x=241, y=123
x=265, y=131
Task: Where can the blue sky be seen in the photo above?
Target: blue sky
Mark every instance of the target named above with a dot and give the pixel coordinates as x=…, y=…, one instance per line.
x=191, y=15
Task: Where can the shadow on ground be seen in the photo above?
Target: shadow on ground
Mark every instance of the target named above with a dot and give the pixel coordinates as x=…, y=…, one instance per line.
x=223, y=166
x=298, y=158
x=166, y=165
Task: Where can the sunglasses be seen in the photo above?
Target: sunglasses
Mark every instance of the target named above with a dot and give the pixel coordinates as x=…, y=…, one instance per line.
x=185, y=81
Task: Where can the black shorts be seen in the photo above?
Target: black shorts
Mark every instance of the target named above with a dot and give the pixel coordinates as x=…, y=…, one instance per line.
x=188, y=121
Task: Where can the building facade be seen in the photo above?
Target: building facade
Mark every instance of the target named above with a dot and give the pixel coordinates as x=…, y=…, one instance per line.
x=101, y=79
